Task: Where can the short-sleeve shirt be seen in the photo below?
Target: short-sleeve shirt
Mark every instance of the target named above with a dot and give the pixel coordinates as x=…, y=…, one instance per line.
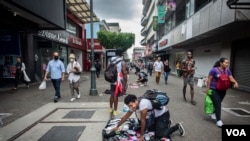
x=216, y=74
x=158, y=66
x=146, y=104
x=56, y=68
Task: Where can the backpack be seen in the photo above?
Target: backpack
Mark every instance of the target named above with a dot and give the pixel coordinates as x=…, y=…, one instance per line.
x=110, y=74
x=157, y=98
x=223, y=82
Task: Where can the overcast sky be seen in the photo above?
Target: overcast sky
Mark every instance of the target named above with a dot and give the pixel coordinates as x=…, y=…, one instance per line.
x=127, y=13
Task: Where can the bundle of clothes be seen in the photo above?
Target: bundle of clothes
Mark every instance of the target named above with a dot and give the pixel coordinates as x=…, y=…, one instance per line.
x=129, y=131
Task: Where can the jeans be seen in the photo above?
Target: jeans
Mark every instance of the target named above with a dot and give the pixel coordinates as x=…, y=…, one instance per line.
x=150, y=72
x=161, y=126
x=166, y=76
x=217, y=98
x=56, y=83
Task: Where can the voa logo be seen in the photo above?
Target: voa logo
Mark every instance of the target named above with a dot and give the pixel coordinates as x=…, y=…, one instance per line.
x=236, y=132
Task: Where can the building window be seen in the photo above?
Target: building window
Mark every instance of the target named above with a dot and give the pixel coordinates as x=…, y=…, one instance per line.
x=200, y=4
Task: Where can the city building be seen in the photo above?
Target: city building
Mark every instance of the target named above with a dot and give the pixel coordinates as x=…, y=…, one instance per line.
x=208, y=28
x=138, y=53
x=35, y=33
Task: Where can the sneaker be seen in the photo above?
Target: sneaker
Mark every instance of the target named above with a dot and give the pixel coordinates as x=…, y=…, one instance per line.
x=14, y=88
x=78, y=95
x=110, y=110
x=116, y=113
x=193, y=102
x=169, y=123
x=55, y=100
x=212, y=116
x=181, y=129
x=73, y=99
x=219, y=123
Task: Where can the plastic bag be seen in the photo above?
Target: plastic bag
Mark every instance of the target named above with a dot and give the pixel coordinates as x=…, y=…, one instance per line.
x=42, y=85
x=208, y=105
x=26, y=77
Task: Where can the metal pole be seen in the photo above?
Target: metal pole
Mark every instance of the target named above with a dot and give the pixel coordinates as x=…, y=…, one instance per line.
x=93, y=90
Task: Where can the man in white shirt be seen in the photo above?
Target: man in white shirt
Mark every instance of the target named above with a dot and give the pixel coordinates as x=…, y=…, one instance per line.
x=159, y=69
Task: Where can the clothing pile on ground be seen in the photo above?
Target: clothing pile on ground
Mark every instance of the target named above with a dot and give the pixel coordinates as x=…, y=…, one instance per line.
x=129, y=131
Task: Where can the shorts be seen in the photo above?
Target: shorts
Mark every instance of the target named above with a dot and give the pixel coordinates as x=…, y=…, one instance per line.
x=188, y=80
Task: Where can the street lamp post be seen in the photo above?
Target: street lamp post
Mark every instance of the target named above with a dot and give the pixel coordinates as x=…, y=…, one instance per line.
x=93, y=90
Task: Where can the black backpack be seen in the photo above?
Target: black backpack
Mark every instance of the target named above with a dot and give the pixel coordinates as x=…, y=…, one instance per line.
x=110, y=74
x=156, y=97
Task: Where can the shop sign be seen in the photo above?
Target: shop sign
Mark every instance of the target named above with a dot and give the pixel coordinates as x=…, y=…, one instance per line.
x=161, y=14
x=163, y=43
x=53, y=35
x=75, y=40
x=155, y=23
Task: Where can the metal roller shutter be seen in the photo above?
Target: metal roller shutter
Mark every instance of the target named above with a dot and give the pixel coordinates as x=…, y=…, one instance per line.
x=241, y=69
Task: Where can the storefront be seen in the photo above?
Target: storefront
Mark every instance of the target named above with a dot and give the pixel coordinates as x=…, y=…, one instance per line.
x=45, y=43
x=9, y=51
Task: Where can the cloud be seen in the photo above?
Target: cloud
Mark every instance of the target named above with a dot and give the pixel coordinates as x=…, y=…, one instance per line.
x=116, y=9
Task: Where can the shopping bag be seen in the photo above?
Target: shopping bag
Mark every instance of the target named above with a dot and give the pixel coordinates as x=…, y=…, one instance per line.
x=208, y=105
x=200, y=83
x=26, y=77
x=42, y=86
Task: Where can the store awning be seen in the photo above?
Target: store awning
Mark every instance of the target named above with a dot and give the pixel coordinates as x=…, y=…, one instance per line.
x=81, y=9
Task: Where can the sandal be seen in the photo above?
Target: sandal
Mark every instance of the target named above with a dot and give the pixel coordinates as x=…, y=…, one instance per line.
x=193, y=102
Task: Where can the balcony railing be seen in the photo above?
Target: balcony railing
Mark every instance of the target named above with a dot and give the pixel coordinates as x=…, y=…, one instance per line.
x=144, y=31
x=144, y=21
x=146, y=6
x=143, y=42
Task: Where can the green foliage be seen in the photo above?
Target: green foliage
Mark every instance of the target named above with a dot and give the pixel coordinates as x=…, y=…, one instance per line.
x=113, y=40
x=126, y=60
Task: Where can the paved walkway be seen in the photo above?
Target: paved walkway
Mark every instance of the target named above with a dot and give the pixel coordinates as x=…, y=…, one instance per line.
x=34, y=116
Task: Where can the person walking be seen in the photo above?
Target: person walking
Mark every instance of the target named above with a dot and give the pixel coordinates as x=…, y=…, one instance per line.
x=166, y=71
x=115, y=88
x=150, y=67
x=178, y=68
x=98, y=68
x=188, y=68
x=220, y=67
x=159, y=69
x=74, y=70
x=56, y=69
x=151, y=119
x=20, y=73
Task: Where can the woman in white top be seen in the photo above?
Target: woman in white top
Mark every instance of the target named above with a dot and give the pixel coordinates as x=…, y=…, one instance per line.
x=74, y=69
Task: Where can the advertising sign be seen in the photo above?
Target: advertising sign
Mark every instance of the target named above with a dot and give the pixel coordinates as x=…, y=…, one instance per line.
x=161, y=14
x=155, y=23
x=170, y=5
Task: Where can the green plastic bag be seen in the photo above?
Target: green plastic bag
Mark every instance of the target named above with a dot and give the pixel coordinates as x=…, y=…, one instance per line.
x=208, y=105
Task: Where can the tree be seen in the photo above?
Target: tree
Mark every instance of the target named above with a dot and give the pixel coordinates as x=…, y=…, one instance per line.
x=113, y=40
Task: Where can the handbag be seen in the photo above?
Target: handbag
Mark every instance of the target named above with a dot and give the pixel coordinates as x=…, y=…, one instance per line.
x=77, y=71
x=42, y=86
